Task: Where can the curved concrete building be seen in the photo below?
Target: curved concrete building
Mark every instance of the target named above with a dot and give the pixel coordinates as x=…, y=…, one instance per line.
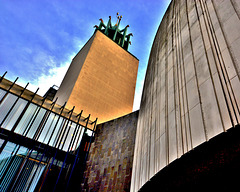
x=192, y=87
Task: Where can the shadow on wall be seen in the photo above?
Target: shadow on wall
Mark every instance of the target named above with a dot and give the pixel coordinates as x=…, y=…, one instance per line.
x=212, y=166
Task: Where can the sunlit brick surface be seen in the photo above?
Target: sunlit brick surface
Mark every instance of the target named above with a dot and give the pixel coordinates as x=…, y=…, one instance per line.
x=109, y=165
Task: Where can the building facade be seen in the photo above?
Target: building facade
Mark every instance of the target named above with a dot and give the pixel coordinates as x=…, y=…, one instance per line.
x=102, y=77
x=45, y=141
x=42, y=144
x=184, y=137
x=192, y=90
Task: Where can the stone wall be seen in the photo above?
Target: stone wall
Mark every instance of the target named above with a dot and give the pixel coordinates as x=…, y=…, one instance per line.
x=101, y=80
x=109, y=165
x=192, y=89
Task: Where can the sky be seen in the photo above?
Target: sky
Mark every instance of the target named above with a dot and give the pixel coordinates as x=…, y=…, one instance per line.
x=39, y=38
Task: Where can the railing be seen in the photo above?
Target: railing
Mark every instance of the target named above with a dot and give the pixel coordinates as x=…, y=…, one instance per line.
x=41, y=143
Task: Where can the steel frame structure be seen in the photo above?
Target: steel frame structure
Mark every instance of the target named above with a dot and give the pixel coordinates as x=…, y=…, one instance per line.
x=38, y=137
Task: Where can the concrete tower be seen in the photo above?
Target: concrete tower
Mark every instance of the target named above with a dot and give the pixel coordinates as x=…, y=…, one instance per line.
x=102, y=76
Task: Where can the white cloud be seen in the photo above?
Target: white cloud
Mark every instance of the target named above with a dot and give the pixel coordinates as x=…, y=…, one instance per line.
x=138, y=93
x=55, y=74
x=54, y=77
x=44, y=82
x=137, y=99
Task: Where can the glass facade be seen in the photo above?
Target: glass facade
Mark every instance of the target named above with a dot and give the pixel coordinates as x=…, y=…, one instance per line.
x=40, y=149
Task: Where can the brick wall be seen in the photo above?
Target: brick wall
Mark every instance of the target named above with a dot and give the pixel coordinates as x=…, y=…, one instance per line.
x=109, y=164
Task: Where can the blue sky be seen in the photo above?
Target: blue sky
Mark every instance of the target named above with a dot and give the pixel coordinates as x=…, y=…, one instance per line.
x=39, y=38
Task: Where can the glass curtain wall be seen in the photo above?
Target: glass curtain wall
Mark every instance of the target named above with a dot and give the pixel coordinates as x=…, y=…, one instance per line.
x=38, y=147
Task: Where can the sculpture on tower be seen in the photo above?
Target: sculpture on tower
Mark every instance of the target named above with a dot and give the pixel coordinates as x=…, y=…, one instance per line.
x=114, y=33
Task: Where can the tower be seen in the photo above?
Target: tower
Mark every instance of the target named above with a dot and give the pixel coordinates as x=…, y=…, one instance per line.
x=102, y=76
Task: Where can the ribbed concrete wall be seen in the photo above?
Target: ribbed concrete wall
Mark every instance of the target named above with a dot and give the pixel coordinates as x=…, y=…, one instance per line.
x=192, y=88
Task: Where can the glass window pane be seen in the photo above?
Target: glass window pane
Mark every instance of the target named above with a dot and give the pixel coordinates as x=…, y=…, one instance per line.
x=48, y=127
x=26, y=119
x=79, y=137
x=2, y=93
x=68, y=136
x=6, y=105
x=61, y=124
x=14, y=114
x=34, y=125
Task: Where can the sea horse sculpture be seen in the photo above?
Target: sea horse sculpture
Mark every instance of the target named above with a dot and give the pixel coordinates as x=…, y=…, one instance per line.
x=114, y=33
